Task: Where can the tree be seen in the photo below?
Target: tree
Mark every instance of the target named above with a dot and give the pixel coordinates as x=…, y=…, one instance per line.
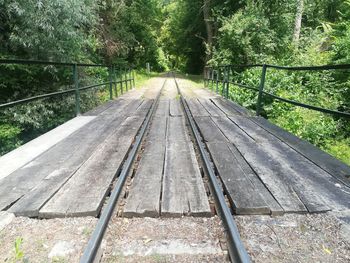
x=298, y=19
x=209, y=29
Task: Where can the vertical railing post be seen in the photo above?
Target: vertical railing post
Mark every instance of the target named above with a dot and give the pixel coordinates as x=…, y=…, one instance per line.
x=126, y=79
x=217, y=80
x=121, y=80
x=212, y=78
x=110, y=72
x=130, y=77
x=76, y=87
x=133, y=78
x=228, y=82
x=223, y=83
x=261, y=89
x=115, y=82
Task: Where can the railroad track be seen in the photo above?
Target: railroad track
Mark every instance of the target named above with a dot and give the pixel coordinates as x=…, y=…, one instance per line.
x=236, y=249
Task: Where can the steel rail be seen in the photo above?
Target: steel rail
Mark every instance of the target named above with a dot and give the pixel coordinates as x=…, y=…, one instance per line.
x=236, y=248
x=97, y=236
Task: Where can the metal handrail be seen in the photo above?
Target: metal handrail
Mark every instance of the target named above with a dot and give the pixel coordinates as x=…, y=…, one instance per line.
x=42, y=62
x=211, y=71
x=127, y=76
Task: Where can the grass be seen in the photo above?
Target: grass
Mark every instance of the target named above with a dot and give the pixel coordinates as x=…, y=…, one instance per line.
x=141, y=77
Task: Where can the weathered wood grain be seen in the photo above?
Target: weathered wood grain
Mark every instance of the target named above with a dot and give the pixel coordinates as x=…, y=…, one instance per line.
x=317, y=189
x=84, y=193
x=145, y=192
x=162, y=108
x=272, y=173
x=245, y=198
x=40, y=179
x=209, y=130
x=175, y=108
x=211, y=108
x=15, y=159
x=183, y=189
x=336, y=168
x=196, y=108
x=212, y=135
x=229, y=107
x=99, y=109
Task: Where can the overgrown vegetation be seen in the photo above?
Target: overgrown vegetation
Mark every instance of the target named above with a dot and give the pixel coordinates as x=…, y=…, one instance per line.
x=184, y=35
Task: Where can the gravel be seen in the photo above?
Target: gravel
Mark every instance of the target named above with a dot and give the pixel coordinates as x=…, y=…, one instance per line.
x=54, y=240
x=294, y=238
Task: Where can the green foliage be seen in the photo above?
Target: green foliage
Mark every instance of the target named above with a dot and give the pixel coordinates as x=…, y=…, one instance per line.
x=245, y=37
x=339, y=148
x=9, y=138
x=19, y=254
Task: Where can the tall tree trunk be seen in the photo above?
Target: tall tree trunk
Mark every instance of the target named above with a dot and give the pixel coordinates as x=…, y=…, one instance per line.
x=298, y=18
x=209, y=29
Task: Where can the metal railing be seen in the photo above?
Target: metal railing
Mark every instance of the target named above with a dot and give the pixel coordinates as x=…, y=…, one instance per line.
x=123, y=77
x=222, y=75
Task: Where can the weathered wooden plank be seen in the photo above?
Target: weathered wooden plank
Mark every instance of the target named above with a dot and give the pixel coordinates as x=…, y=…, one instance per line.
x=15, y=159
x=245, y=198
x=145, y=192
x=183, y=189
x=162, y=107
x=196, y=108
x=211, y=108
x=275, y=208
x=175, y=108
x=209, y=131
x=58, y=164
x=84, y=193
x=272, y=173
x=229, y=107
x=101, y=108
x=144, y=108
x=119, y=106
x=212, y=135
x=336, y=168
x=318, y=190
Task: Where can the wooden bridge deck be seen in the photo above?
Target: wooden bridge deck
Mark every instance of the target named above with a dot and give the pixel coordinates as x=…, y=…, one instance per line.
x=263, y=168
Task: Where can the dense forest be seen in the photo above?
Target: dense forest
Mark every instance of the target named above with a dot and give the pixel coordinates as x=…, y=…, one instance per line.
x=184, y=35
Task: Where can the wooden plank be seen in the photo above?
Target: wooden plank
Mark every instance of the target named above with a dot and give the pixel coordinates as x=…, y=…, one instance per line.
x=275, y=208
x=196, y=108
x=175, y=108
x=144, y=108
x=209, y=131
x=84, y=193
x=118, y=106
x=245, y=198
x=162, y=107
x=15, y=159
x=272, y=173
x=318, y=190
x=336, y=168
x=101, y=108
x=230, y=107
x=183, y=189
x=211, y=108
x=212, y=135
x=40, y=179
x=145, y=192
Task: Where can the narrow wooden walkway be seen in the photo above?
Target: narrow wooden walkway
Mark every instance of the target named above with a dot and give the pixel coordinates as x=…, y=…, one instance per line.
x=263, y=168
